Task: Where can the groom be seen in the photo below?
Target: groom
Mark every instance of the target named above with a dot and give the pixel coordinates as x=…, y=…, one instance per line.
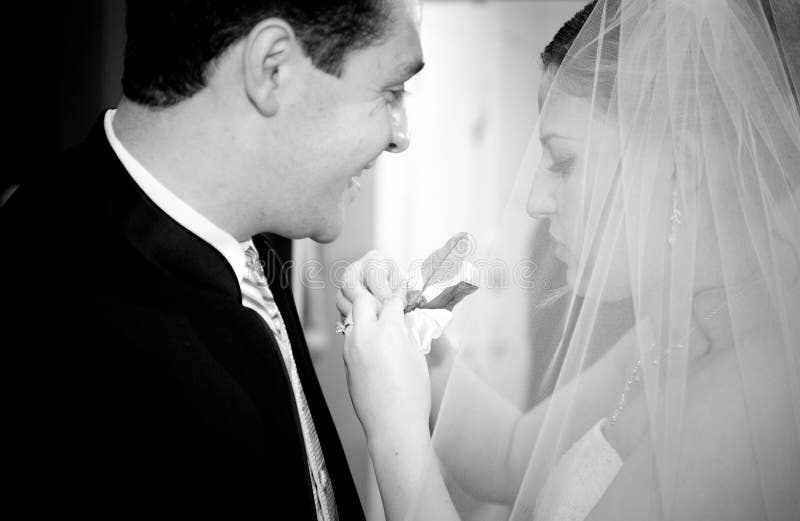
x=155, y=348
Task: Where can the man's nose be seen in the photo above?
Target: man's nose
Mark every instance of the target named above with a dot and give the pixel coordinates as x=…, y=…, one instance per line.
x=541, y=200
x=398, y=121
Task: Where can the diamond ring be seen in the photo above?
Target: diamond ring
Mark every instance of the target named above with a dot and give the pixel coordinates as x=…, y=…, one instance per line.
x=342, y=327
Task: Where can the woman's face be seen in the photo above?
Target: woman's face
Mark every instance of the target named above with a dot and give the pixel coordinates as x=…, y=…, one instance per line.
x=578, y=185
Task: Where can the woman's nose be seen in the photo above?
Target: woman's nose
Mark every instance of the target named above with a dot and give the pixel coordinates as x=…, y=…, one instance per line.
x=398, y=121
x=541, y=200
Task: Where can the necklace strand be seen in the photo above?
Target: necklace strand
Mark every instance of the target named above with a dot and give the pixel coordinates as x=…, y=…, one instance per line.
x=635, y=376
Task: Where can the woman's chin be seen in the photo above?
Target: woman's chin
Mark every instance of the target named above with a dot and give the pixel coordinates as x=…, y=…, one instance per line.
x=609, y=291
x=578, y=289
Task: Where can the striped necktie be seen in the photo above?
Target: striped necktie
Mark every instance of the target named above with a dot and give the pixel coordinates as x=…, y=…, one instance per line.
x=257, y=296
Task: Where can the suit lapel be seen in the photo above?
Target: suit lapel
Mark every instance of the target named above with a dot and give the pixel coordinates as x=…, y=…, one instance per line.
x=279, y=279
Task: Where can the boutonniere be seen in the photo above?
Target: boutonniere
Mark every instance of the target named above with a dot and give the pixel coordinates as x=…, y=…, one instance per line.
x=441, y=266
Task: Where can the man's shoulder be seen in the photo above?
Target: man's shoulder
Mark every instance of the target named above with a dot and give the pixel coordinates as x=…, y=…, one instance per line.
x=54, y=190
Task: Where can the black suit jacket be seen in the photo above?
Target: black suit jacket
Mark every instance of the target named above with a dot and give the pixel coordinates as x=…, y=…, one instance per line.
x=138, y=375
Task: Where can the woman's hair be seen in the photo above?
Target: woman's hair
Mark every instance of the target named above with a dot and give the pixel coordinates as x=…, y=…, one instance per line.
x=586, y=76
x=556, y=50
x=572, y=58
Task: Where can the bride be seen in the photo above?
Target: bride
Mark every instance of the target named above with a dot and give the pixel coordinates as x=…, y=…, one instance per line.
x=658, y=336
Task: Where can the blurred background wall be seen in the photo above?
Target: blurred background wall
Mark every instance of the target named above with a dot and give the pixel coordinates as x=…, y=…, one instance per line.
x=471, y=114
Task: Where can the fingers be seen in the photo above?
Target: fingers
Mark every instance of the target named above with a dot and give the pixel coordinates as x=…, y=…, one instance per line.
x=343, y=305
x=377, y=275
x=365, y=309
x=372, y=272
x=352, y=282
x=393, y=307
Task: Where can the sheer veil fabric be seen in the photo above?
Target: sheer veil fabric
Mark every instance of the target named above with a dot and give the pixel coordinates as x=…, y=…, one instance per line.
x=650, y=255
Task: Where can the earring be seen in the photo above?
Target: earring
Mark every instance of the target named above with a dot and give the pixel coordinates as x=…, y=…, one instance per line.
x=675, y=219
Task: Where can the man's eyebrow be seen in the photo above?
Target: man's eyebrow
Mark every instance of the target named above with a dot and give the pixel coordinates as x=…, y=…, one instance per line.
x=407, y=70
x=410, y=69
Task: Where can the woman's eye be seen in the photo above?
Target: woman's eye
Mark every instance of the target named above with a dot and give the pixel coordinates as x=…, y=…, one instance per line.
x=562, y=166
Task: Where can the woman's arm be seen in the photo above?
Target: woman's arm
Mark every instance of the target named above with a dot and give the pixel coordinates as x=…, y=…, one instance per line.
x=585, y=399
x=440, y=364
x=484, y=441
x=409, y=479
x=479, y=429
x=388, y=381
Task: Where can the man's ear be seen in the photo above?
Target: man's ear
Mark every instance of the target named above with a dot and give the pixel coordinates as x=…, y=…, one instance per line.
x=269, y=49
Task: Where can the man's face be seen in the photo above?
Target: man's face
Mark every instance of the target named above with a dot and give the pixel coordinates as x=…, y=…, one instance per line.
x=340, y=125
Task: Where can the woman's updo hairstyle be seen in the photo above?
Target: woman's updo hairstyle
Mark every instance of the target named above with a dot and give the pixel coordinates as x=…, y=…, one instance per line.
x=556, y=50
x=583, y=73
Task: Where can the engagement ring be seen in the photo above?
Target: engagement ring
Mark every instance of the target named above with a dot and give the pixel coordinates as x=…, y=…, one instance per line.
x=342, y=328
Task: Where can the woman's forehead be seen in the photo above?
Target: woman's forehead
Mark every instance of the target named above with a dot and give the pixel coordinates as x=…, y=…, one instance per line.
x=565, y=115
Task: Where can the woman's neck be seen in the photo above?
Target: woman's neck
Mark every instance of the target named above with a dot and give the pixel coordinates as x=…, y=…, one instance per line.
x=723, y=313
x=730, y=310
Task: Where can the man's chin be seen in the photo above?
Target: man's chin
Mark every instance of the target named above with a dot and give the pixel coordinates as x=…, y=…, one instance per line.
x=324, y=236
x=330, y=232
x=324, y=239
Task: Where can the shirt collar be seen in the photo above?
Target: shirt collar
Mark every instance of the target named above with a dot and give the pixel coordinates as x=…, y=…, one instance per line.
x=176, y=208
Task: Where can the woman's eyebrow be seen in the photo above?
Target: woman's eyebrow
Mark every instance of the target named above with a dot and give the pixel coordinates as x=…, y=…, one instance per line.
x=545, y=138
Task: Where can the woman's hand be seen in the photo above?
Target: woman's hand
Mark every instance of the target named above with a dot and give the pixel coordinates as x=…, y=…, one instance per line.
x=377, y=274
x=387, y=374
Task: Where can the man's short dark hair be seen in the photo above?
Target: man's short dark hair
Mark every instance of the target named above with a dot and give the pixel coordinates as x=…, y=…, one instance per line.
x=172, y=44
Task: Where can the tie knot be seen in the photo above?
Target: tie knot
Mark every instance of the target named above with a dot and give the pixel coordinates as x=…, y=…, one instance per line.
x=255, y=268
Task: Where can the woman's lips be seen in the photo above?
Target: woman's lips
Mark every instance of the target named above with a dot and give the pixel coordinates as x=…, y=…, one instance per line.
x=561, y=252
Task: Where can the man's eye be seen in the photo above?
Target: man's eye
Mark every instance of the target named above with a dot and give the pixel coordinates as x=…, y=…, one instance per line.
x=397, y=95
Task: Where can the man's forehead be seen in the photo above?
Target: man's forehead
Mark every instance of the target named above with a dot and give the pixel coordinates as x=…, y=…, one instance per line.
x=399, y=56
x=395, y=57
x=406, y=25
x=413, y=10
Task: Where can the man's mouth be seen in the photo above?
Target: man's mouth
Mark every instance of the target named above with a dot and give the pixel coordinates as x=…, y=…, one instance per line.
x=355, y=184
x=354, y=181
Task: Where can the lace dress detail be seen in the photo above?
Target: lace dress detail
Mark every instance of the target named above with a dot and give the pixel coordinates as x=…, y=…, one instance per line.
x=579, y=479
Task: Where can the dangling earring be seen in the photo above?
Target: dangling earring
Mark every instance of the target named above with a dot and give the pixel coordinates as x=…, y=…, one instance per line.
x=675, y=219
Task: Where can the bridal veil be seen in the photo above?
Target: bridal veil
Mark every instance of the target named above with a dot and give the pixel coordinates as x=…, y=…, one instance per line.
x=645, y=281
